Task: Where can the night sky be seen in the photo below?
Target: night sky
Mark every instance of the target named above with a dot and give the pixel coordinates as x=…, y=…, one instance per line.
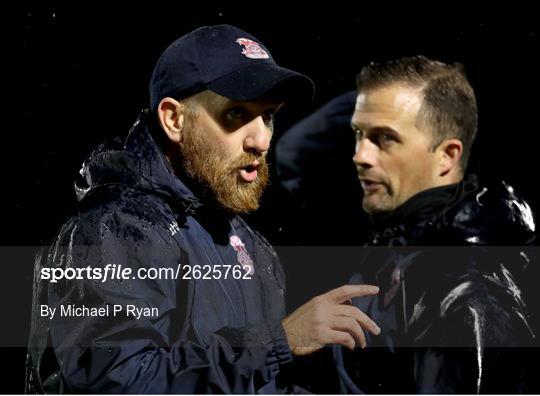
x=79, y=75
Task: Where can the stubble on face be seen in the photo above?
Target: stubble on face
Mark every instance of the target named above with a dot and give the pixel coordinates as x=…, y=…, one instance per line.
x=403, y=166
x=379, y=201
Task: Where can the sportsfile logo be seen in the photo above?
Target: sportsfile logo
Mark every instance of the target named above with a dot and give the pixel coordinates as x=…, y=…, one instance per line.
x=118, y=272
x=108, y=272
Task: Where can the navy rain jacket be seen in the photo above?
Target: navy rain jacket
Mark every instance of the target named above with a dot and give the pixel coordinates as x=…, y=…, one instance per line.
x=211, y=335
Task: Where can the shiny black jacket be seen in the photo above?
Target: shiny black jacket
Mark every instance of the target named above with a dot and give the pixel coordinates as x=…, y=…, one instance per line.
x=216, y=335
x=452, y=267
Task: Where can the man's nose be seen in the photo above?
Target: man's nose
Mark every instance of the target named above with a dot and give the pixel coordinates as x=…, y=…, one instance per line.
x=258, y=136
x=366, y=153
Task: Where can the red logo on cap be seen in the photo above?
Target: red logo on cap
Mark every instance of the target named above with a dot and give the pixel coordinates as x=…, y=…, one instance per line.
x=252, y=49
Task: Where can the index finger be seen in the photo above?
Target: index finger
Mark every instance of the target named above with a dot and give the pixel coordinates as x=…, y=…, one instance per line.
x=343, y=293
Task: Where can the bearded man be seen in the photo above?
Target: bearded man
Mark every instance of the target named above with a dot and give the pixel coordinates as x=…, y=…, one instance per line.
x=155, y=284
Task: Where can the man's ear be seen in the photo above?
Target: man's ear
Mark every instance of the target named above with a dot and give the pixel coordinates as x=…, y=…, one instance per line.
x=450, y=151
x=171, y=115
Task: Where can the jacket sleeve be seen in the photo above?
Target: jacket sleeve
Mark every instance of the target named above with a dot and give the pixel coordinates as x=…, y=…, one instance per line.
x=478, y=345
x=125, y=354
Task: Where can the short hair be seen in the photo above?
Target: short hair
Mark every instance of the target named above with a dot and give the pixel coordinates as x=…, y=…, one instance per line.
x=449, y=104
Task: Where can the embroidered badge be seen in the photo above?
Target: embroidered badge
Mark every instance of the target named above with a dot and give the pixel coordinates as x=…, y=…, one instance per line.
x=252, y=49
x=241, y=253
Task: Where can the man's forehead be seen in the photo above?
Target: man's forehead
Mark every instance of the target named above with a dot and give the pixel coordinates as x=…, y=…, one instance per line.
x=217, y=100
x=394, y=97
x=393, y=103
x=210, y=98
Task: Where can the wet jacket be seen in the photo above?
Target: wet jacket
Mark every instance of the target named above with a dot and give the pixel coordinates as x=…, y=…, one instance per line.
x=213, y=335
x=453, y=307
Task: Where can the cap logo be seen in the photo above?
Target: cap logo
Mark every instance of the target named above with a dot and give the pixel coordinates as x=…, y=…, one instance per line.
x=252, y=49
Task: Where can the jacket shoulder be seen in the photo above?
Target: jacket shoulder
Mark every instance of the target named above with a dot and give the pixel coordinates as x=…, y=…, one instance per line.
x=494, y=215
x=120, y=213
x=480, y=309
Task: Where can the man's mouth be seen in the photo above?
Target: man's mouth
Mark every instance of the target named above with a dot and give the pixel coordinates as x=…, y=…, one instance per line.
x=369, y=185
x=249, y=172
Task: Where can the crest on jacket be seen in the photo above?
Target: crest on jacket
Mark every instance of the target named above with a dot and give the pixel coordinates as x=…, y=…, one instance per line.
x=241, y=253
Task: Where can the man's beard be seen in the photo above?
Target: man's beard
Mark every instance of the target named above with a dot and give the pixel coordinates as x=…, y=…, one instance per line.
x=206, y=163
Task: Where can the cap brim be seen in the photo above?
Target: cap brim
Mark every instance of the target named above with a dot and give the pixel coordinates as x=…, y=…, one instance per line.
x=258, y=80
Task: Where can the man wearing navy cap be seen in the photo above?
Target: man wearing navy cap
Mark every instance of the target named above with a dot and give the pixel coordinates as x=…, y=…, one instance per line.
x=155, y=284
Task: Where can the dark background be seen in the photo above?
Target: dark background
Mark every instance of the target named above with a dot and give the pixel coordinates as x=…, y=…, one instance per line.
x=78, y=75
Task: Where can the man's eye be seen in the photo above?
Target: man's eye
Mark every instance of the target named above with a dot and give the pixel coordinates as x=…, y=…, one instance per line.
x=236, y=113
x=358, y=133
x=386, y=138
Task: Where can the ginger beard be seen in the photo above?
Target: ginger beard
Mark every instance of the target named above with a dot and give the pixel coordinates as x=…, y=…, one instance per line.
x=207, y=163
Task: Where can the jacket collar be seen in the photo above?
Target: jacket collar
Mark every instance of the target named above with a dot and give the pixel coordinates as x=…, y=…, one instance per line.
x=136, y=161
x=425, y=205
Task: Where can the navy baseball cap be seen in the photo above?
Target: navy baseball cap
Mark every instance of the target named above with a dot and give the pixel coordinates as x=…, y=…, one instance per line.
x=227, y=61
